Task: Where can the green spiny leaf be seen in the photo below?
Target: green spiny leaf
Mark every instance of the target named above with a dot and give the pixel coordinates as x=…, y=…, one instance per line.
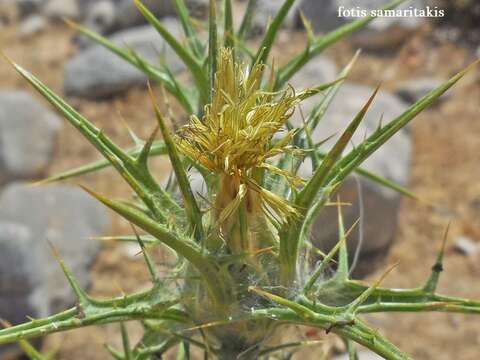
x=212, y=45
x=343, y=264
x=192, y=37
x=140, y=180
x=184, y=247
x=190, y=61
x=387, y=183
x=192, y=209
x=298, y=308
x=148, y=260
x=126, y=342
x=297, y=344
x=353, y=307
x=353, y=159
x=229, y=34
x=31, y=352
x=271, y=33
x=158, y=148
x=320, y=109
x=246, y=20
x=117, y=355
x=340, y=246
x=307, y=194
x=81, y=295
x=142, y=158
x=291, y=232
x=146, y=239
x=432, y=282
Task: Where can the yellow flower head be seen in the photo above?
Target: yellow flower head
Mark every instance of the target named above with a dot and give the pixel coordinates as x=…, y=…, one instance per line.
x=235, y=135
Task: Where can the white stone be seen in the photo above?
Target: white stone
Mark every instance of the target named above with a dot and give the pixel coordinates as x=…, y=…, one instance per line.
x=362, y=355
x=467, y=246
x=32, y=25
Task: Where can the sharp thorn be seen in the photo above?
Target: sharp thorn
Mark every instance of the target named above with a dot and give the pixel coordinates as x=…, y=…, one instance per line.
x=432, y=282
x=355, y=304
x=150, y=264
x=79, y=292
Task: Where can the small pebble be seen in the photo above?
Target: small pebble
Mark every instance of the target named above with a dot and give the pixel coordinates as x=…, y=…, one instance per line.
x=32, y=25
x=130, y=250
x=362, y=355
x=466, y=246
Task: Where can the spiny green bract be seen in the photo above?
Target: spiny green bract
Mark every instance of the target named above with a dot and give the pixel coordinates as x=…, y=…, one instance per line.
x=244, y=247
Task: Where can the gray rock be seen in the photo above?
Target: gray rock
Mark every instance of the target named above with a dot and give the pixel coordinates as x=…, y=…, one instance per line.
x=413, y=90
x=107, y=16
x=19, y=295
x=97, y=72
x=318, y=71
x=380, y=205
x=460, y=22
x=31, y=280
x=384, y=33
x=467, y=246
x=4, y=20
x=32, y=25
x=20, y=270
x=27, y=136
x=58, y=9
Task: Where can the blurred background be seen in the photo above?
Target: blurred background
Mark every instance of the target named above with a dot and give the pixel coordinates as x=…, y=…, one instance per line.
x=437, y=157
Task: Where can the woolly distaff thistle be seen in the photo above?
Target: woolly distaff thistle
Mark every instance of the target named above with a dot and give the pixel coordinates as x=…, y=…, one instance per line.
x=242, y=245
x=234, y=141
